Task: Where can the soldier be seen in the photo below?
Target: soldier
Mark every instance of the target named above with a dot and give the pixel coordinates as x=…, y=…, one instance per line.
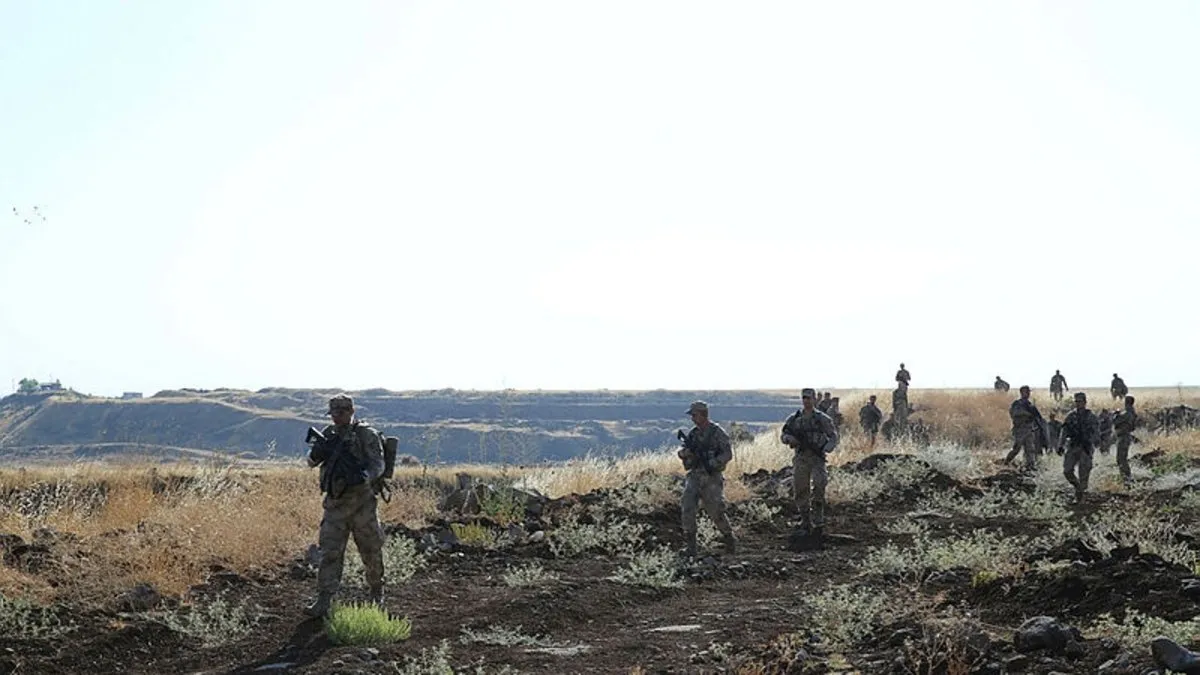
x=903, y=376
x=1053, y=430
x=870, y=417
x=705, y=485
x=1124, y=424
x=1105, y=418
x=1000, y=385
x=1026, y=429
x=835, y=411
x=900, y=404
x=1058, y=384
x=1117, y=388
x=351, y=461
x=824, y=403
x=1080, y=434
x=811, y=435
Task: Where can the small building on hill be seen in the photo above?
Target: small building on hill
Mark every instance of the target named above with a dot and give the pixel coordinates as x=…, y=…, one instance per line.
x=125, y=396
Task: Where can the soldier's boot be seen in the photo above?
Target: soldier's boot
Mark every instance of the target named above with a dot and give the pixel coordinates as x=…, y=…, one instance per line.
x=730, y=543
x=689, y=549
x=320, y=607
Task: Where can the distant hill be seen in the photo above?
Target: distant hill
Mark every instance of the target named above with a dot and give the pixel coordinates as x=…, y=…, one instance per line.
x=446, y=425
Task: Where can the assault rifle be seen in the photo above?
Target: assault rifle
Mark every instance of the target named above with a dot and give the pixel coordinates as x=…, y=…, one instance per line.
x=701, y=456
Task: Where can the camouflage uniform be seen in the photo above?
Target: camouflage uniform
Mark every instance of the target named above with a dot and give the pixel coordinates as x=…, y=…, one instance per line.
x=1117, y=388
x=1124, y=423
x=1058, y=384
x=902, y=375
x=812, y=435
x=1053, y=430
x=1026, y=431
x=1000, y=385
x=703, y=488
x=1105, y=420
x=1080, y=434
x=824, y=403
x=870, y=417
x=900, y=405
x=350, y=509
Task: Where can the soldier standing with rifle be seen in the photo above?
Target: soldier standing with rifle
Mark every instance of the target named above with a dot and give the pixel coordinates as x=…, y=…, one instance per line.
x=1124, y=423
x=1027, y=429
x=812, y=435
x=705, y=453
x=1080, y=434
x=350, y=455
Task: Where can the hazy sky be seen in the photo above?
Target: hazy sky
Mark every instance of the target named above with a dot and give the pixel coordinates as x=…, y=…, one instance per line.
x=584, y=195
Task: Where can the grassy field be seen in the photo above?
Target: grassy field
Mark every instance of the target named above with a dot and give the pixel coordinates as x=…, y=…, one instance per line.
x=171, y=526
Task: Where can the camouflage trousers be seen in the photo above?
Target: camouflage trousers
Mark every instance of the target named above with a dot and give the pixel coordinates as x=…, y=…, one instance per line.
x=352, y=513
x=809, y=479
x=700, y=487
x=1123, y=443
x=1078, y=457
x=1026, y=441
x=1057, y=394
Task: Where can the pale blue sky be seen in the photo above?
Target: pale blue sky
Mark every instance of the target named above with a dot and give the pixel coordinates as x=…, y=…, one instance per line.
x=585, y=195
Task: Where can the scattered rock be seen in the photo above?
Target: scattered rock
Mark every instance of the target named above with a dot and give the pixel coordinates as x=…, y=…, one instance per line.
x=1169, y=654
x=140, y=598
x=1016, y=664
x=1115, y=665
x=538, y=536
x=1044, y=632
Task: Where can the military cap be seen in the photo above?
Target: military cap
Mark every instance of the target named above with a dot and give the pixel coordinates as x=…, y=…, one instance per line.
x=341, y=402
x=808, y=392
x=697, y=406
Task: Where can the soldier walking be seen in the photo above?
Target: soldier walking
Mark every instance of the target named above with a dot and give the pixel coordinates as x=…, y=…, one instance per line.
x=1105, y=419
x=1124, y=423
x=1058, y=384
x=1080, y=434
x=824, y=403
x=1053, y=431
x=870, y=417
x=811, y=435
x=351, y=461
x=1027, y=429
x=707, y=451
x=900, y=405
x=1117, y=388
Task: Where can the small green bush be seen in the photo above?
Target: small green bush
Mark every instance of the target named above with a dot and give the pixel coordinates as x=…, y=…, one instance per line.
x=365, y=624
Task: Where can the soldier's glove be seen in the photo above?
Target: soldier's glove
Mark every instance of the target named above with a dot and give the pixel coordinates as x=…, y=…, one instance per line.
x=789, y=440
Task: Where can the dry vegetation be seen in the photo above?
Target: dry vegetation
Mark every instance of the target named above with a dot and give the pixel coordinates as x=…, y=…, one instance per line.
x=171, y=526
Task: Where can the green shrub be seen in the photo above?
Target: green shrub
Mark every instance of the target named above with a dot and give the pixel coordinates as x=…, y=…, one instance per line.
x=365, y=624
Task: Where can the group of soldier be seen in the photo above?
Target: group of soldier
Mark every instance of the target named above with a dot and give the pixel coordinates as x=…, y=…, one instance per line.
x=351, y=499
x=812, y=433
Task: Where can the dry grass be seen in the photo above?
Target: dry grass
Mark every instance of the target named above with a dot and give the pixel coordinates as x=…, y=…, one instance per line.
x=167, y=525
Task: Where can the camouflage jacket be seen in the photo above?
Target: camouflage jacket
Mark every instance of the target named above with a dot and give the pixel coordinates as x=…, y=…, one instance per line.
x=1024, y=414
x=1118, y=387
x=870, y=416
x=899, y=400
x=1058, y=383
x=903, y=376
x=713, y=443
x=1080, y=429
x=1125, y=421
x=814, y=431
x=364, y=444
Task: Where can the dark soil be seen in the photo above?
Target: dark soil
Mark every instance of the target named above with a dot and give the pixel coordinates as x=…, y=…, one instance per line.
x=744, y=610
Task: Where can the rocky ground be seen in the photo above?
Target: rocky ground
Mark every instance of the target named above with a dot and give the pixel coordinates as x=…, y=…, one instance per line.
x=921, y=572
